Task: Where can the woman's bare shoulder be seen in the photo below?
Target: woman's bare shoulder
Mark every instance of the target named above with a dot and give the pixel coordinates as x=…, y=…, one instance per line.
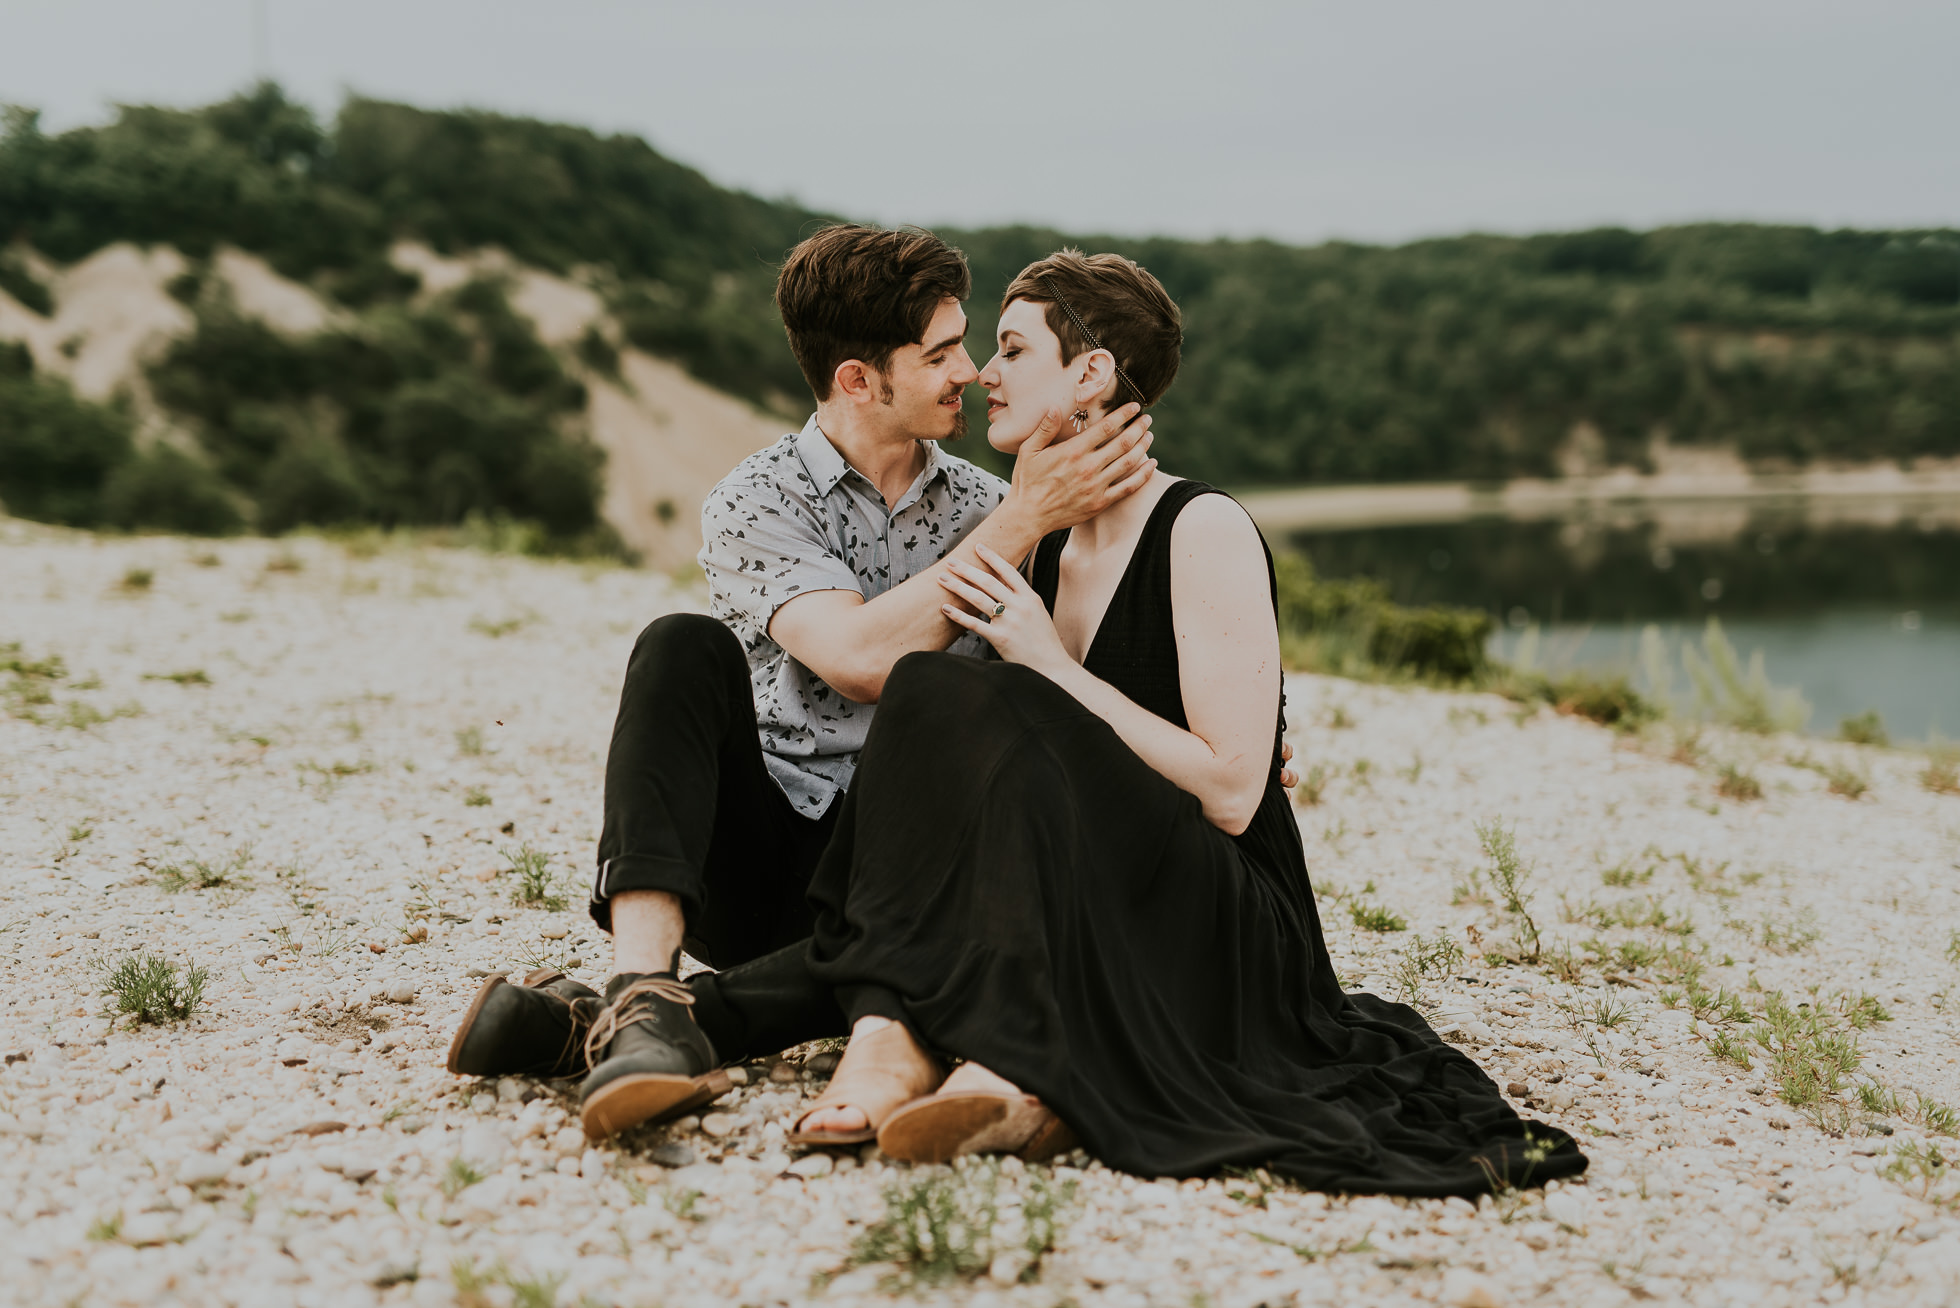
x=1216, y=528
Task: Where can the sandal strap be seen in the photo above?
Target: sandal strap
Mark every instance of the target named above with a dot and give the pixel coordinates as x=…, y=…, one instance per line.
x=858, y=1080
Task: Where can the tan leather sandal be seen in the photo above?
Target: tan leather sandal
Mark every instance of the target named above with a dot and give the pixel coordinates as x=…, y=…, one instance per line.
x=882, y=1071
x=941, y=1127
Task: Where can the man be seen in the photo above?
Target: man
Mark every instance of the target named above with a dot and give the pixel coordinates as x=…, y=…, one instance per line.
x=736, y=733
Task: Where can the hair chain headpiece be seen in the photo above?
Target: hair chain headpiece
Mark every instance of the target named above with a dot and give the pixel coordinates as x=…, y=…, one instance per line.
x=1094, y=344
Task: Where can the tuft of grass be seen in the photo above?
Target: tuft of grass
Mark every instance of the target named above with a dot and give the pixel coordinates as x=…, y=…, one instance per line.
x=1921, y=1167
x=537, y=885
x=1606, y=1013
x=1373, y=917
x=149, y=989
x=1624, y=874
x=469, y=741
x=1791, y=935
x=1847, y=781
x=945, y=1224
x=1735, y=695
x=205, y=874
x=1736, y=782
x=1866, y=728
x=500, y=627
x=188, y=677
x=1941, y=775
x=1423, y=958
x=136, y=581
x=1509, y=874
x=458, y=1177
x=284, y=561
x=107, y=1229
x=476, y=797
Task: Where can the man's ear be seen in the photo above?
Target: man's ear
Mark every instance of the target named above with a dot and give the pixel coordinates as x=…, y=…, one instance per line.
x=854, y=381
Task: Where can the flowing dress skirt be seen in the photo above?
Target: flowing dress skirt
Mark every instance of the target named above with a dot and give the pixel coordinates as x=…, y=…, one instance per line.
x=1021, y=889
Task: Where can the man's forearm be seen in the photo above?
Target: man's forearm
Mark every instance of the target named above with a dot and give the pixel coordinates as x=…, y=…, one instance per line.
x=908, y=618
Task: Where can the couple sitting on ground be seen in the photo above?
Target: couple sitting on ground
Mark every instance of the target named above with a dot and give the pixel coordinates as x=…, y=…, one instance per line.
x=988, y=772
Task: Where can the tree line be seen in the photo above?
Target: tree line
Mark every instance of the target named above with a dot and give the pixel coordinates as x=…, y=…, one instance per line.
x=1470, y=357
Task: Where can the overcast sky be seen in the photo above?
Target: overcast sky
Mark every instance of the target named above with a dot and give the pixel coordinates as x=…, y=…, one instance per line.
x=1377, y=121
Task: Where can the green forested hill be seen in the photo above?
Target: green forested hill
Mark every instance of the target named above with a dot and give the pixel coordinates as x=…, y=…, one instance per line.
x=1476, y=356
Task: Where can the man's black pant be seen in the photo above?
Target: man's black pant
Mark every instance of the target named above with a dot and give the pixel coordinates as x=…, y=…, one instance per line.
x=690, y=809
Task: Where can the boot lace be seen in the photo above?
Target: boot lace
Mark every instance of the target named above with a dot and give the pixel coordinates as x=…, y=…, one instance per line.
x=628, y=1007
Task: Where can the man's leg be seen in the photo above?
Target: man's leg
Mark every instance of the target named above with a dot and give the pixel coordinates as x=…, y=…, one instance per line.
x=699, y=847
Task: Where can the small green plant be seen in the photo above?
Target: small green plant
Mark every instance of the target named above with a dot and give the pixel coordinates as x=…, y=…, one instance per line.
x=1953, y=946
x=944, y=1224
x=205, y=874
x=683, y=1203
x=1920, y=1167
x=1867, y=728
x=1422, y=958
x=1337, y=718
x=1880, y=1100
x=1936, y=1116
x=1791, y=935
x=1373, y=917
x=501, y=627
x=284, y=561
x=1311, y=1254
x=1845, y=780
x=458, y=1177
x=136, y=581
x=539, y=1291
x=1509, y=874
x=1941, y=775
x=469, y=741
x=1733, y=781
x=149, y=989
x=188, y=677
x=476, y=797
x=1624, y=874
x=1740, y=698
x=106, y=1229
x=1607, y=1013
x=537, y=885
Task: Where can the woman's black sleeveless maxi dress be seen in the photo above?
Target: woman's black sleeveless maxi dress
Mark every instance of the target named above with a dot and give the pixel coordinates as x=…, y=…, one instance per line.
x=1021, y=889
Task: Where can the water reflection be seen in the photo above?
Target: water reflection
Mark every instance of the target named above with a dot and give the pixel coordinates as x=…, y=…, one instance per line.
x=1860, y=608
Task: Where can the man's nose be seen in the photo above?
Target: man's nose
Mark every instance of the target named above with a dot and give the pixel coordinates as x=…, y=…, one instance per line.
x=966, y=374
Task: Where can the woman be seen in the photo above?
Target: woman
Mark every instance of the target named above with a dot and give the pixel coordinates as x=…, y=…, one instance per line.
x=1077, y=870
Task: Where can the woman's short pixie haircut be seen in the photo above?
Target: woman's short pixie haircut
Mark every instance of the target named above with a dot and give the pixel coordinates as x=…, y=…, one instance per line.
x=855, y=292
x=1123, y=306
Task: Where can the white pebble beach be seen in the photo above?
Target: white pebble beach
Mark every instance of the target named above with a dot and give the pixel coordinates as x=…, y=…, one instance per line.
x=307, y=766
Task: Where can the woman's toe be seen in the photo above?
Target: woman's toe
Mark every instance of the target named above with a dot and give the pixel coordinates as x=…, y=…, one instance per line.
x=840, y=1120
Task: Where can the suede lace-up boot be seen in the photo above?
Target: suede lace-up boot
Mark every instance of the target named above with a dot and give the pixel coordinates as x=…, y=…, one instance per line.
x=649, y=1059
x=535, y=1027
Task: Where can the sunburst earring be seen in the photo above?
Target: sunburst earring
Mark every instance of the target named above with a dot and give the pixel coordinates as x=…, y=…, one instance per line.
x=1079, y=419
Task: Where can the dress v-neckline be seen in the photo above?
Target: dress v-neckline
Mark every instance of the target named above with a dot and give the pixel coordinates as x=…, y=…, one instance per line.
x=1123, y=581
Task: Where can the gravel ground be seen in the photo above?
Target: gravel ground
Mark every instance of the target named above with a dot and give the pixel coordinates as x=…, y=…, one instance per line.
x=316, y=771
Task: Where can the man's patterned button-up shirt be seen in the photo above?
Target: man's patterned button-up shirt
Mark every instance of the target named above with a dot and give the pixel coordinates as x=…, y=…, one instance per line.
x=797, y=517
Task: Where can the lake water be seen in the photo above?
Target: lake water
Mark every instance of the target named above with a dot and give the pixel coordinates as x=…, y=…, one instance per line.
x=1858, y=610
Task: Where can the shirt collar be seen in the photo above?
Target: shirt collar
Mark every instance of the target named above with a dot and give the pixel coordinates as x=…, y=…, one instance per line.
x=827, y=467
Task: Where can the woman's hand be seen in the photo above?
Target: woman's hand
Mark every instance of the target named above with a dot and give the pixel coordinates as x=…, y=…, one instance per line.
x=1022, y=632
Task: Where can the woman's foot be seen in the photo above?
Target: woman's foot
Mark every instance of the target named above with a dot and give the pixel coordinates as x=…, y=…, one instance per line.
x=883, y=1069
x=975, y=1112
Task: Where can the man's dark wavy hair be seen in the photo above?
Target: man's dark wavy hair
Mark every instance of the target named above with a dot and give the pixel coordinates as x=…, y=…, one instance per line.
x=856, y=292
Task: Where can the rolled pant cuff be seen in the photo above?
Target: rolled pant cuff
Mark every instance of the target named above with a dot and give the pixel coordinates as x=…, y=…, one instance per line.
x=644, y=872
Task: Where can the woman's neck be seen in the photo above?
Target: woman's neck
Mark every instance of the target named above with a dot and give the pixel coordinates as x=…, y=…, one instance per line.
x=1120, y=523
